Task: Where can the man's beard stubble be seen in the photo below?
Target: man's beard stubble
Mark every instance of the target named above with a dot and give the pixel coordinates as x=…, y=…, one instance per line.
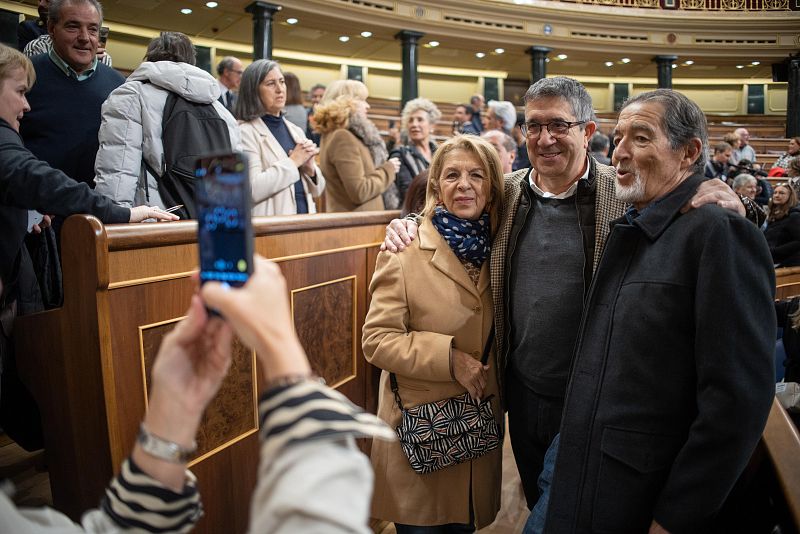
x=631, y=193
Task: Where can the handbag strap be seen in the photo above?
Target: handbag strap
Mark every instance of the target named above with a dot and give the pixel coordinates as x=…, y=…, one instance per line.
x=485, y=358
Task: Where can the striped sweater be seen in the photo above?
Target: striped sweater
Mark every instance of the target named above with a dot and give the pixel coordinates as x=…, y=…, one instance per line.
x=312, y=477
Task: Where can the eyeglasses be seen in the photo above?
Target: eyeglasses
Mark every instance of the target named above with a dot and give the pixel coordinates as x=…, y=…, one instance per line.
x=556, y=129
x=239, y=72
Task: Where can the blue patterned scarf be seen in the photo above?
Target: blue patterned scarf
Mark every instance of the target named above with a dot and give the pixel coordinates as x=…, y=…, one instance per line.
x=469, y=240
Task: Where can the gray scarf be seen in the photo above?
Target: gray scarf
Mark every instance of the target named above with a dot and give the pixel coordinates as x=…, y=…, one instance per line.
x=368, y=133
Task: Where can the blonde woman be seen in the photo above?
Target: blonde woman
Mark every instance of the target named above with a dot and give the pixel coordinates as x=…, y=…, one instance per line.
x=428, y=323
x=353, y=156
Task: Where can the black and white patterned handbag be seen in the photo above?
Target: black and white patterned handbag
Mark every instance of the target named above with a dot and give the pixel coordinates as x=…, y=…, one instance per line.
x=446, y=432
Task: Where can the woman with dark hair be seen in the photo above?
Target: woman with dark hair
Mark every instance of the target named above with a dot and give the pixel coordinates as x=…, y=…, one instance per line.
x=130, y=134
x=415, y=196
x=284, y=179
x=791, y=153
x=783, y=227
x=294, y=111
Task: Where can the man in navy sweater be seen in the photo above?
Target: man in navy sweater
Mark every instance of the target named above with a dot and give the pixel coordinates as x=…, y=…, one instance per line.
x=72, y=85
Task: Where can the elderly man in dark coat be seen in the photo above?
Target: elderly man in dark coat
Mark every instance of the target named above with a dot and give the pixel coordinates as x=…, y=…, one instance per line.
x=664, y=405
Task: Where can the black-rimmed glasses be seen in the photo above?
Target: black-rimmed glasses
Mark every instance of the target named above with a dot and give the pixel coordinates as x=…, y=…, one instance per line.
x=556, y=129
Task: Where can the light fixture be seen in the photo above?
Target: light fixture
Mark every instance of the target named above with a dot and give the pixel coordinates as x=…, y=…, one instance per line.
x=688, y=62
x=754, y=63
x=366, y=34
x=499, y=50
x=344, y=38
x=480, y=55
x=186, y=11
x=562, y=57
x=674, y=65
x=739, y=66
x=626, y=60
x=433, y=44
x=547, y=60
x=212, y=5
x=609, y=63
x=292, y=20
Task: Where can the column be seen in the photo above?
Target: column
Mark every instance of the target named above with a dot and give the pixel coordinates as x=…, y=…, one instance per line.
x=262, y=28
x=793, y=99
x=538, y=62
x=410, y=40
x=664, y=64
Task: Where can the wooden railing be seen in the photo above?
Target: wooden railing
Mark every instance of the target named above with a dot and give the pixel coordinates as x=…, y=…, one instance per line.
x=125, y=286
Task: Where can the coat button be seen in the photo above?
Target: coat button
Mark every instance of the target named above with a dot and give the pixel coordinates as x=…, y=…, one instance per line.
x=476, y=309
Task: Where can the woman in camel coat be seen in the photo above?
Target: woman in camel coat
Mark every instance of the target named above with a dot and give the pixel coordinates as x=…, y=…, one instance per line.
x=428, y=322
x=353, y=156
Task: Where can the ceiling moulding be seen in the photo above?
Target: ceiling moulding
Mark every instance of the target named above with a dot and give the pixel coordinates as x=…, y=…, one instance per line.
x=384, y=65
x=573, y=9
x=516, y=24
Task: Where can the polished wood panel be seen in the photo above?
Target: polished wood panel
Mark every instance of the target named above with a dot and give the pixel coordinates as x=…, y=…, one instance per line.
x=325, y=320
x=787, y=282
x=88, y=363
x=782, y=442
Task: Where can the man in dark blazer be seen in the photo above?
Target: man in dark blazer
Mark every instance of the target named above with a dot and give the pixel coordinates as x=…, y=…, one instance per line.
x=664, y=406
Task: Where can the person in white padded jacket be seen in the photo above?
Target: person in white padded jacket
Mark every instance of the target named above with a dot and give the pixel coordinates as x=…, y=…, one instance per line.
x=130, y=132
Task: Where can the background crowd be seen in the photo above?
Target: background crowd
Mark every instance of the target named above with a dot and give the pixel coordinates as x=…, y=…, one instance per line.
x=78, y=138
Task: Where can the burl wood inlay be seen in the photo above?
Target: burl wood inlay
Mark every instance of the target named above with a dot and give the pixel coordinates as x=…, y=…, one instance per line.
x=324, y=318
x=232, y=413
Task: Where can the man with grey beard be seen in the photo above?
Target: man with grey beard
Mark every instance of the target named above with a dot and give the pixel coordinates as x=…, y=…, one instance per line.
x=555, y=222
x=664, y=407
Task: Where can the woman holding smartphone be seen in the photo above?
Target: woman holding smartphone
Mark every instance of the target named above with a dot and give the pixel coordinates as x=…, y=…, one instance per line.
x=283, y=175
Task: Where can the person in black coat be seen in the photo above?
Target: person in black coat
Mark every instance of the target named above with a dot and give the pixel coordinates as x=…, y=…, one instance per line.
x=665, y=406
x=783, y=227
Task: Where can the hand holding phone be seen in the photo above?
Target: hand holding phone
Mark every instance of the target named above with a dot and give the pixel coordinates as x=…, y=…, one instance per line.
x=224, y=228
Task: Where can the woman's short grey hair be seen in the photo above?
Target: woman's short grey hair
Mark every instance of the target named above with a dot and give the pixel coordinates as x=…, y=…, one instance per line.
x=570, y=90
x=171, y=46
x=742, y=180
x=248, y=104
x=682, y=120
x=506, y=111
x=54, y=11
x=412, y=106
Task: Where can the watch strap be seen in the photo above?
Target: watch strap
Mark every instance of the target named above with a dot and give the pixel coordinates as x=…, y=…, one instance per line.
x=164, y=449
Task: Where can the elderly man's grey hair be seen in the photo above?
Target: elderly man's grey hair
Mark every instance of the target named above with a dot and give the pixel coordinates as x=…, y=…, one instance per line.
x=248, y=106
x=742, y=180
x=54, y=11
x=228, y=62
x=505, y=140
x=416, y=104
x=504, y=111
x=562, y=87
x=682, y=120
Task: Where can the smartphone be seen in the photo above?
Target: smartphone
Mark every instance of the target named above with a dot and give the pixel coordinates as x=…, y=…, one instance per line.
x=103, y=36
x=224, y=228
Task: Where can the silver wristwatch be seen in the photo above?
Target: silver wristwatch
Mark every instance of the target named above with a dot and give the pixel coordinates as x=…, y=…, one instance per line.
x=163, y=449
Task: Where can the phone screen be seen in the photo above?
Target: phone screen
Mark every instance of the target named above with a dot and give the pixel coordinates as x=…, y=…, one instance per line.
x=225, y=232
